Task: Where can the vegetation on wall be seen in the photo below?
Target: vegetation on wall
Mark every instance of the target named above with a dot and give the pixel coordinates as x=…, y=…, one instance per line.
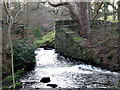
x=47, y=40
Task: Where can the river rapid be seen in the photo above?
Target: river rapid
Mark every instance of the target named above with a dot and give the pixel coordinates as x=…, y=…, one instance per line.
x=66, y=73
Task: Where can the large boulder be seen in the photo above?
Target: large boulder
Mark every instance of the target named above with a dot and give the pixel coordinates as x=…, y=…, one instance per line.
x=45, y=80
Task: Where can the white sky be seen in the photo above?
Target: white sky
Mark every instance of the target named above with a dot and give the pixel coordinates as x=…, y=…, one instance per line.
x=61, y=0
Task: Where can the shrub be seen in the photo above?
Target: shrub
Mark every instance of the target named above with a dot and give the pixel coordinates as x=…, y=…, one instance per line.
x=6, y=83
x=18, y=84
x=24, y=56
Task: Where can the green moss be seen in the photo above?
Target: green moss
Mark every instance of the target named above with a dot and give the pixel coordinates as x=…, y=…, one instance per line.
x=47, y=40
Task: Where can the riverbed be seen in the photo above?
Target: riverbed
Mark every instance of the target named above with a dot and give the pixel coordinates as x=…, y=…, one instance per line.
x=66, y=73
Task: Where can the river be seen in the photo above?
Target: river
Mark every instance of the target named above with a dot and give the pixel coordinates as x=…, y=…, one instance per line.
x=66, y=73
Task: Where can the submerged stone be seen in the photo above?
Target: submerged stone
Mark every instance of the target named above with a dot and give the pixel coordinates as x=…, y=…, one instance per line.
x=52, y=85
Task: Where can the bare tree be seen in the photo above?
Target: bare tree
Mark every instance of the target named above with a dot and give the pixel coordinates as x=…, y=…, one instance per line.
x=11, y=23
x=81, y=19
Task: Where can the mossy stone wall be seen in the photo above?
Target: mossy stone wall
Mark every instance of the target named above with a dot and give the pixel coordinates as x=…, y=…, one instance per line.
x=69, y=44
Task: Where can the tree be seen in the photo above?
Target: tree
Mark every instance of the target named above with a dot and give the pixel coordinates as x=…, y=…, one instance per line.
x=82, y=18
x=97, y=12
x=11, y=22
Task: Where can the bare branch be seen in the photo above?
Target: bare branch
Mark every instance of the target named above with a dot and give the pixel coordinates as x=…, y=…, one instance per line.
x=7, y=11
x=62, y=13
x=19, y=11
x=97, y=11
x=57, y=5
x=9, y=14
x=70, y=8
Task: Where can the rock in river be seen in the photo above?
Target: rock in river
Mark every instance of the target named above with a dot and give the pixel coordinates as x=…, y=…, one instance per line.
x=45, y=80
x=52, y=85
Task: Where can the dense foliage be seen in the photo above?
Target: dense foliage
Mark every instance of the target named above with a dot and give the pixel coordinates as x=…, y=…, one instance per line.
x=37, y=33
x=24, y=56
x=6, y=83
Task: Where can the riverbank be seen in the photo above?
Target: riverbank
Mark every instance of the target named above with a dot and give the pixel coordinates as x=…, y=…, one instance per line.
x=24, y=60
x=70, y=44
x=7, y=82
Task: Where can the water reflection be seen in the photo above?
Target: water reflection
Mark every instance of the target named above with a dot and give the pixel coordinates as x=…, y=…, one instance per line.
x=66, y=74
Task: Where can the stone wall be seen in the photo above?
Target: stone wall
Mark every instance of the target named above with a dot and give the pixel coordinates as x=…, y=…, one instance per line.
x=70, y=44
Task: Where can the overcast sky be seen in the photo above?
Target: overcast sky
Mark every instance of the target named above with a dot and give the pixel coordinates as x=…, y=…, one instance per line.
x=62, y=0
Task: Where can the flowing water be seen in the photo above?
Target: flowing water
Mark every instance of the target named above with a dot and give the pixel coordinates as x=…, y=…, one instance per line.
x=66, y=74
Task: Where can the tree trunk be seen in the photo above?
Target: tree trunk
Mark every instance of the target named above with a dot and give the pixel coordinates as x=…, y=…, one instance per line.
x=11, y=46
x=11, y=22
x=10, y=40
x=84, y=25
